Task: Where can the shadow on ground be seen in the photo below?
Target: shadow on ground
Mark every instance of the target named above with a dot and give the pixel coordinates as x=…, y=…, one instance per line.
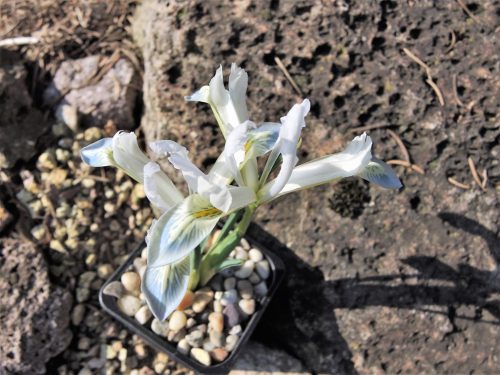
x=301, y=320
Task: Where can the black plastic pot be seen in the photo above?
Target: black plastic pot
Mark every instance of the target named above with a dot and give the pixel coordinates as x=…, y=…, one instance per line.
x=159, y=343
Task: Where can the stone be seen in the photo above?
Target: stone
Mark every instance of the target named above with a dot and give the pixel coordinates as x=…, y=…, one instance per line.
x=217, y=338
x=176, y=336
x=131, y=282
x=207, y=345
x=246, y=270
x=262, y=269
x=159, y=327
x=201, y=356
x=231, y=316
x=216, y=321
x=114, y=289
x=245, y=288
x=82, y=294
x=231, y=341
x=260, y=289
x=245, y=244
x=195, y=338
x=216, y=283
x=104, y=271
x=240, y=253
x=34, y=324
x=236, y=330
x=77, y=314
x=143, y=315
x=254, y=278
x=6, y=218
x=229, y=297
x=112, y=98
x=177, y=321
x=247, y=306
x=183, y=346
x=218, y=306
x=219, y=354
x=21, y=125
x=202, y=298
x=129, y=305
x=190, y=323
x=229, y=283
x=255, y=255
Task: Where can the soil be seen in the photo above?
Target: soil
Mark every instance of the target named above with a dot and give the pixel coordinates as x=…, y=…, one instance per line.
x=406, y=281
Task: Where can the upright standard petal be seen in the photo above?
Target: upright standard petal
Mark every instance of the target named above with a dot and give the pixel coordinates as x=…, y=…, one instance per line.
x=178, y=231
x=238, y=83
x=286, y=145
x=99, y=154
x=164, y=287
x=164, y=148
x=234, y=150
x=381, y=174
x=128, y=156
x=159, y=188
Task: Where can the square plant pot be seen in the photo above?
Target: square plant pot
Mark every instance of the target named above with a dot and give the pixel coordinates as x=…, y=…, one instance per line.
x=159, y=343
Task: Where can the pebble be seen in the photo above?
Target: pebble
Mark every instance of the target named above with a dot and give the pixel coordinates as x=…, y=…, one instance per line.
x=131, y=281
x=159, y=327
x=183, y=347
x=246, y=270
x=201, y=356
x=262, y=269
x=83, y=343
x=190, y=323
x=143, y=315
x=77, y=314
x=176, y=336
x=218, y=295
x=231, y=316
x=240, y=253
x=216, y=282
x=218, y=307
x=129, y=305
x=245, y=244
x=114, y=289
x=229, y=297
x=255, y=255
x=245, y=288
x=207, y=345
x=82, y=294
x=254, y=278
x=231, y=342
x=229, y=283
x=85, y=371
x=195, y=338
x=139, y=264
x=216, y=321
x=217, y=338
x=104, y=271
x=177, y=321
x=219, y=354
x=247, y=306
x=236, y=330
x=202, y=298
x=260, y=289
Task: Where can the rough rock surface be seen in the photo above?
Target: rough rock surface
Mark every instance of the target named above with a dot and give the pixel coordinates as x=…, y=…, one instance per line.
x=407, y=281
x=20, y=125
x=34, y=316
x=98, y=92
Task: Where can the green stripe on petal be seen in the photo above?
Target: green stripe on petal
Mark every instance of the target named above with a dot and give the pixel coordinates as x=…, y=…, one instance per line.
x=164, y=287
x=178, y=231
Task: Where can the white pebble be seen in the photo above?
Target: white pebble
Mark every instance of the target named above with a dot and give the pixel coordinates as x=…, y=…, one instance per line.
x=201, y=356
x=129, y=305
x=231, y=342
x=230, y=297
x=143, y=315
x=131, y=281
x=177, y=321
x=144, y=253
x=245, y=244
x=260, y=289
x=218, y=295
x=114, y=289
x=160, y=328
x=254, y=278
x=245, y=270
x=183, y=347
x=236, y=330
x=240, y=253
x=247, y=306
x=218, y=307
x=229, y=283
x=255, y=255
x=262, y=269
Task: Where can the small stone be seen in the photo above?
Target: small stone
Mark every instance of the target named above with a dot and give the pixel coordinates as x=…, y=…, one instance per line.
x=216, y=283
x=91, y=258
x=245, y=244
x=240, y=253
x=131, y=281
x=122, y=354
x=85, y=371
x=174, y=336
x=38, y=232
x=160, y=362
x=183, y=347
x=159, y=327
x=82, y=294
x=201, y=356
x=261, y=289
x=218, y=307
x=201, y=327
x=177, y=321
x=219, y=354
x=246, y=270
x=236, y=330
x=218, y=295
x=255, y=255
x=245, y=288
x=230, y=297
x=57, y=246
x=110, y=352
x=231, y=316
x=114, y=289
x=247, y=306
x=86, y=278
x=190, y=323
x=195, y=338
x=129, y=305
x=46, y=161
x=254, y=278
x=140, y=350
x=139, y=263
x=262, y=269
x=88, y=183
x=143, y=315
x=104, y=271
x=202, y=298
x=144, y=253
x=216, y=321
x=83, y=343
x=77, y=314
x=207, y=345
x=231, y=342
x=217, y=338
x=229, y=283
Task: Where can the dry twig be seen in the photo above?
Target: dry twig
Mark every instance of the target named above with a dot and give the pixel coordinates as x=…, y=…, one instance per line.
x=407, y=164
x=402, y=147
x=467, y=10
x=474, y=173
x=288, y=76
x=455, y=91
x=454, y=182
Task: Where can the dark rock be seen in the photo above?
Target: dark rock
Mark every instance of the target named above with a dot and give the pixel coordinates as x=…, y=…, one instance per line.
x=231, y=316
x=34, y=315
x=21, y=125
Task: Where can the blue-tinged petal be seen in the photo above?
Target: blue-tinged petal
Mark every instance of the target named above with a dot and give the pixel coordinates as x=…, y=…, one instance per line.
x=179, y=230
x=381, y=174
x=164, y=287
x=99, y=154
x=262, y=139
x=164, y=148
x=159, y=188
x=202, y=95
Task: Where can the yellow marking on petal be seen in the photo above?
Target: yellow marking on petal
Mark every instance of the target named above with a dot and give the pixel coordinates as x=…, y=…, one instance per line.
x=207, y=212
x=248, y=145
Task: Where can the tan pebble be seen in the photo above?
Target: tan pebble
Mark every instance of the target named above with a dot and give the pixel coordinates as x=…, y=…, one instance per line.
x=114, y=289
x=201, y=299
x=160, y=328
x=216, y=321
x=143, y=315
x=255, y=255
x=245, y=244
x=201, y=356
x=77, y=314
x=246, y=270
x=177, y=321
x=104, y=271
x=183, y=346
x=231, y=341
x=219, y=354
x=129, y=305
x=247, y=306
x=218, y=307
x=131, y=281
x=262, y=269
